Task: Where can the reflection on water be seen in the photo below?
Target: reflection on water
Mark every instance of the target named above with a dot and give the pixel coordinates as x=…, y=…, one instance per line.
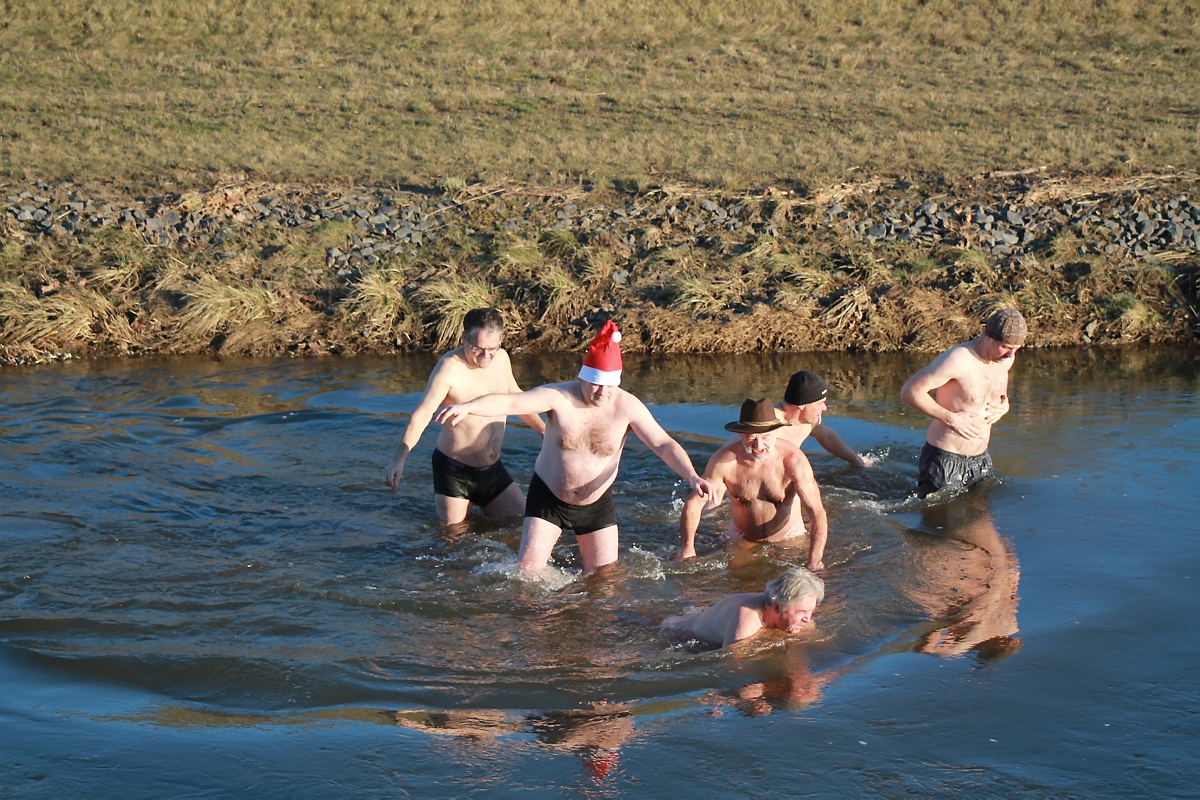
x=595, y=733
x=971, y=594
x=213, y=538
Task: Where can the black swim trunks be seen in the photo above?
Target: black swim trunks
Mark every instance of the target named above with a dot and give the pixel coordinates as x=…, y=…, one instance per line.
x=480, y=485
x=543, y=504
x=940, y=468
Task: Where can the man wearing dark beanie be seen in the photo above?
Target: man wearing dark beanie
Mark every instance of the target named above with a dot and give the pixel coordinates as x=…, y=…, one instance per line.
x=970, y=394
x=804, y=404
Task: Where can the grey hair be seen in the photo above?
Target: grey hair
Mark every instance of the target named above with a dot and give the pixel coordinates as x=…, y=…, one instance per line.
x=793, y=586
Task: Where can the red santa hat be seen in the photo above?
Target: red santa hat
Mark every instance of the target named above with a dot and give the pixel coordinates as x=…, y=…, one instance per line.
x=602, y=365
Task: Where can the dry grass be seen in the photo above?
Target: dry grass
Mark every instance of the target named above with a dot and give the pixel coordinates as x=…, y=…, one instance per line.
x=623, y=92
x=69, y=321
x=379, y=308
x=214, y=306
x=267, y=288
x=444, y=301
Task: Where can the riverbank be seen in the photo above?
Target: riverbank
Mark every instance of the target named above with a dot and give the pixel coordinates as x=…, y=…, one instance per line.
x=251, y=268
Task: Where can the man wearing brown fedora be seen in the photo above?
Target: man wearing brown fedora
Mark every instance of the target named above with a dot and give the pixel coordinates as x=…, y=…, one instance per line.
x=804, y=403
x=770, y=483
x=970, y=394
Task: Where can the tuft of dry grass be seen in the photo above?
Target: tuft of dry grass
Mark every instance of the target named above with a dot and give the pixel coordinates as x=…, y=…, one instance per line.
x=213, y=305
x=380, y=308
x=445, y=301
x=69, y=320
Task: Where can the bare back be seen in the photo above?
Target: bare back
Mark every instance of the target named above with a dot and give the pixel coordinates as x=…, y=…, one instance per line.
x=730, y=619
x=796, y=433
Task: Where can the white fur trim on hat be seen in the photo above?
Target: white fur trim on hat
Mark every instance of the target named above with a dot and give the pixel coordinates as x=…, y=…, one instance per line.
x=599, y=377
x=602, y=364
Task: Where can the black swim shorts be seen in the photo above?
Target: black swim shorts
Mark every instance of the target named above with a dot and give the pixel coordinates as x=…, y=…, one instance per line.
x=480, y=485
x=543, y=504
x=940, y=468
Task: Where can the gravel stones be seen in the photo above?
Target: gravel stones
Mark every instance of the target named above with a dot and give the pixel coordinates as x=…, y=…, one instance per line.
x=386, y=225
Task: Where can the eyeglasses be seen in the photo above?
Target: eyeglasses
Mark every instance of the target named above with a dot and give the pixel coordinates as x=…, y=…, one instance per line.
x=480, y=351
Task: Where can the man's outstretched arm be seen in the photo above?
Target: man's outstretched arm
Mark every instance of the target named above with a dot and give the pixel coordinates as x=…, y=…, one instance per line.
x=828, y=438
x=436, y=392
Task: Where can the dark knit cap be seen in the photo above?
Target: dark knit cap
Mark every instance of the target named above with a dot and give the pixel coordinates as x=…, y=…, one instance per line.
x=1007, y=326
x=805, y=387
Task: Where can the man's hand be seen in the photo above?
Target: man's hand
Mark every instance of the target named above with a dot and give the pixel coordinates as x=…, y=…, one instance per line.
x=865, y=461
x=817, y=567
x=992, y=412
x=395, y=469
x=450, y=415
x=702, y=488
x=967, y=424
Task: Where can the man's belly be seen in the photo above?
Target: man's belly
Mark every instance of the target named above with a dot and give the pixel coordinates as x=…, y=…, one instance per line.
x=766, y=522
x=941, y=437
x=475, y=446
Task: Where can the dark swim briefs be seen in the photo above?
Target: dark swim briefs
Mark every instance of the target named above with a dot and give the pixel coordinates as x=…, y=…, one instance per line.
x=940, y=468
x=544, y=504
x=480, y=485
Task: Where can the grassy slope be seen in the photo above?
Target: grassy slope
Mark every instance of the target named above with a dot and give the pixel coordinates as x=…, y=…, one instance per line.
x=164, y=97
x=726, y=94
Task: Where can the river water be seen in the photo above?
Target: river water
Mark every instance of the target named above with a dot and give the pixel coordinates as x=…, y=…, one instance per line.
x=206, y=590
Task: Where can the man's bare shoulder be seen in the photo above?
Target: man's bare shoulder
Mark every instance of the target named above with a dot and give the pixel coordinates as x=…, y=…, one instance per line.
x=963, y=353
x=793, y=458
x=451, y=361
x=949, y=364
x=627, y=399
x=795, y=433
x=727, y=456
x=788, y=451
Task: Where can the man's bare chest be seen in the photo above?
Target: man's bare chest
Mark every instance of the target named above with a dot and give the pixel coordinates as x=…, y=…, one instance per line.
x=987, y=385
x=471, y=386
x=760, y=488
x=592, y=435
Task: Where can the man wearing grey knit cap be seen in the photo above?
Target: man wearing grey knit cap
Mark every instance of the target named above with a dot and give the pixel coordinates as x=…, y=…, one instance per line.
x=969, y=383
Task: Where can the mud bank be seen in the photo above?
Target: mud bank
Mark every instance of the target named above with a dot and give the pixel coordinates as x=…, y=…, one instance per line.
x=252, y=268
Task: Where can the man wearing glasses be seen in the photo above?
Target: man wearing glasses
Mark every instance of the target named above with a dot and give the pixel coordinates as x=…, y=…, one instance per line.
x=466, y=462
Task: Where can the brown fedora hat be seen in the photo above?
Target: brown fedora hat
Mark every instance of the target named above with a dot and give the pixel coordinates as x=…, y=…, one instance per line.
x=758, y=416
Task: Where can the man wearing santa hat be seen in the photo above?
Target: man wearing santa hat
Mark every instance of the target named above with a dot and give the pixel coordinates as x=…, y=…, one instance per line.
x=586, y=424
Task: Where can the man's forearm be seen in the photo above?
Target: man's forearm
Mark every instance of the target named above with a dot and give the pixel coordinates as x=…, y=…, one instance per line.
x=924, y=402
x=675, y=457
x=834, y=444
x=817, y=540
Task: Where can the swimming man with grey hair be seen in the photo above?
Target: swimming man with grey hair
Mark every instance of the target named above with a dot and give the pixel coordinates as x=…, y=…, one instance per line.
x=787, y=604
